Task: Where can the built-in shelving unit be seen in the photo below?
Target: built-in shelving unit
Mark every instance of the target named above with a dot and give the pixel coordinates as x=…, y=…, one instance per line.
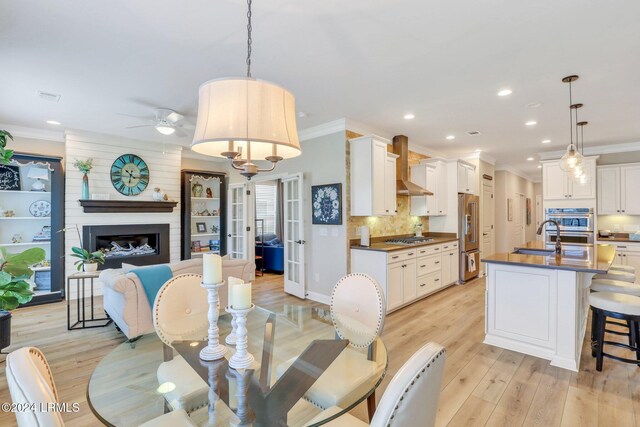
x=203, y=203
x=31, y=209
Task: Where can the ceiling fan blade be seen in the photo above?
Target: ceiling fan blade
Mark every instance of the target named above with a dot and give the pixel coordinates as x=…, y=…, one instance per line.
x=174, y=117
x=181, y=133
x=136, y=117
x=139, y=126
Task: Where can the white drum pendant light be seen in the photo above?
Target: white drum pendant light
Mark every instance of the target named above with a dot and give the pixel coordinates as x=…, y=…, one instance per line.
x=571, y=157
x=244, y=119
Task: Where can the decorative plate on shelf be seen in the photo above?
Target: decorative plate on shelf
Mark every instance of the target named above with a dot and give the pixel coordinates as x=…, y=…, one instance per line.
x=40, y=208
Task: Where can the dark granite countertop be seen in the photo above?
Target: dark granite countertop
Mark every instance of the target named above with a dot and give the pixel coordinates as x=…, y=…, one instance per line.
x=379, y=245
x=596, y=259
x=617, y=238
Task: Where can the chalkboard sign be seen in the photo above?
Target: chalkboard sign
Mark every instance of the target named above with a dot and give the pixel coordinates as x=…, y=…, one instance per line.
x=9, y=178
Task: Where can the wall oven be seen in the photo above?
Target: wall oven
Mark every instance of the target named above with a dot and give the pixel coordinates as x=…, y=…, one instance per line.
x=576, y=226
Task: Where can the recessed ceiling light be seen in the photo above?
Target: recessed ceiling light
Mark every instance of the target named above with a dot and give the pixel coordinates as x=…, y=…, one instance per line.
x=539, y=166
x=53, y=122
x=531, y=123
x=409, y=116
x=451, y=137
x=529, y=159
x=546, y=141
x=505, y=92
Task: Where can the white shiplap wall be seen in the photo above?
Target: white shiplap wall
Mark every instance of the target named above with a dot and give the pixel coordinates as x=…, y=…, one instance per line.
x=164, y=165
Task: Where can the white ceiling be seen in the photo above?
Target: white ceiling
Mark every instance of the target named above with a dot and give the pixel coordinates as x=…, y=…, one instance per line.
x=371, y=61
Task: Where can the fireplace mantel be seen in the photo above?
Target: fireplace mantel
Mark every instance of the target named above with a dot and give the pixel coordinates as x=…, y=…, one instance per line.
x=126, y=206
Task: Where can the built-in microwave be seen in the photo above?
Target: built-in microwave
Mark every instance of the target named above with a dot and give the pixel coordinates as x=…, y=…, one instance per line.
x=571, y=238
x=571, y=219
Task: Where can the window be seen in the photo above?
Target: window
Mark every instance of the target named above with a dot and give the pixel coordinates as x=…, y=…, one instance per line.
x=266, y=206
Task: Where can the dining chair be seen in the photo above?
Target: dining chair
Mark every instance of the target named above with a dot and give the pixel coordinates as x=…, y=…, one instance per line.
x=411, y=398
x=30, y=381
x=180, y=314
x=358, y=312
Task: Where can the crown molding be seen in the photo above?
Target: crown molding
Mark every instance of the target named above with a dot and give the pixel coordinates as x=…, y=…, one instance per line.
x=34, y=133
x=514, y=171
x=595, y=150
x=479, y=156
x=322, y=129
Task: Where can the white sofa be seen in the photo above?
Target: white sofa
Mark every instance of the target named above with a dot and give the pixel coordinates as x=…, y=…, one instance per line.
x=126, y=302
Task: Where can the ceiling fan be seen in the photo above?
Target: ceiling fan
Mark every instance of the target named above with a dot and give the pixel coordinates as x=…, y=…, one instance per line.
x=165, y=121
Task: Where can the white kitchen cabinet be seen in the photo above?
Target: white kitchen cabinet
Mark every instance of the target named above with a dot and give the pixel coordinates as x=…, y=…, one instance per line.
x=560, y=185
x=466, y=178
x=373, y=179
x=390, y=206
x=431, y=175
x=394, y=293
x=408, y=275
x=450, y=262
x=618, y=189
x=608, y=190
x=627, y=254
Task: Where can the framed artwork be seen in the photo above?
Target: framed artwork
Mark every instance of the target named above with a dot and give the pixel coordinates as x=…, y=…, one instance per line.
x=529, y=207
x=326, y=204
x=195, y=246
x=509, y=209
x=9, y=178
x=201, y=227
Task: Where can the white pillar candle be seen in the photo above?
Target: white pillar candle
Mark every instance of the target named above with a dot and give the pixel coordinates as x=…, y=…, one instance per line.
x=232, y=282
x=211, y=268
x=241, y=296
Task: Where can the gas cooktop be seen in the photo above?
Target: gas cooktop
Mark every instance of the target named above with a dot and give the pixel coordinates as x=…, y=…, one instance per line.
x=409, y=240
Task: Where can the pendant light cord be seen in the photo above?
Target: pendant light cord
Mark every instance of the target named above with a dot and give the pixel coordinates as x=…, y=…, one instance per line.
x=249, y=38
x=570, y=115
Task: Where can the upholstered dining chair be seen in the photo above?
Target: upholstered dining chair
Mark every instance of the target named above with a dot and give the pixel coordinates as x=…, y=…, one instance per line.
x=30, y=381
x=180, y=314
x=358, y=311
x=411, y=398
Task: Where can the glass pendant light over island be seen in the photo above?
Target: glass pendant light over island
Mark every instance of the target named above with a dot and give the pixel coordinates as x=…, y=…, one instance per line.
x=244, y=120
x=572, y=156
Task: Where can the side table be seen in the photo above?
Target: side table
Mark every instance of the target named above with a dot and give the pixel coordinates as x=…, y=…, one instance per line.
x=82, y=322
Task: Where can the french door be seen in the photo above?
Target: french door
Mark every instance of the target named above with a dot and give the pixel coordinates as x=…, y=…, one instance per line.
x=294, y=275
x=237, y=235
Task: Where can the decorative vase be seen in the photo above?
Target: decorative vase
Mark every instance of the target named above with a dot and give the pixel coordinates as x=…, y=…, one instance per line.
x=85, y=187
x=196, y=190
x=90, y=267
x=5, y=329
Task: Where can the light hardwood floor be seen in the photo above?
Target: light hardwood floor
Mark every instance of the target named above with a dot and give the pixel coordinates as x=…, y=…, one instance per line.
x=482, y=385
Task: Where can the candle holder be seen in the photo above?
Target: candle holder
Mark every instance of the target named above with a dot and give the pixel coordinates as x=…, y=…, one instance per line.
x=232, y=337
x=214, y=350
x=241, y=359
x=241, y=389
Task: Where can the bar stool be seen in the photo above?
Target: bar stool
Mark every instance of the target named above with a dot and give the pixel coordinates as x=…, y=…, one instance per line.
x=616, y=275
x=626, y=268
x=620, y=306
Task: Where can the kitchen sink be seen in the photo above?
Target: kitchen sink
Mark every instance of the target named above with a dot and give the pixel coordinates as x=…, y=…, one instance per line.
x=542, y=252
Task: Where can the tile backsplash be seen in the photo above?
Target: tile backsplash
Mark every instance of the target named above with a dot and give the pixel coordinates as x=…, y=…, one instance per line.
x=619, y=223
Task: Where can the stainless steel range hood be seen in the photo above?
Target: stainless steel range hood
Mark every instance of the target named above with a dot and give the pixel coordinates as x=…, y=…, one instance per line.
x=404, y=187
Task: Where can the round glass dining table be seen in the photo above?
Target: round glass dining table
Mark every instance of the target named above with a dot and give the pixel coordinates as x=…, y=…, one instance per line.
x=297, y=354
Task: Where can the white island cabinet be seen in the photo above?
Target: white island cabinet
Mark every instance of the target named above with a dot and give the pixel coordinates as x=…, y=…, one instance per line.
x=538, y=305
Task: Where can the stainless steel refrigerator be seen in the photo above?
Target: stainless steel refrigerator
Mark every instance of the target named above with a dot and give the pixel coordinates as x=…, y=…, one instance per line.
x=468, y=232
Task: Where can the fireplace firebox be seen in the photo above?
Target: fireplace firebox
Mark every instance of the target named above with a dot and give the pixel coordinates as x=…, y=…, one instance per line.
x=137, y=244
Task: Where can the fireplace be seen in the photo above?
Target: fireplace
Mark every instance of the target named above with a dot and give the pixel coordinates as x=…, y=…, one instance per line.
x=137, y=244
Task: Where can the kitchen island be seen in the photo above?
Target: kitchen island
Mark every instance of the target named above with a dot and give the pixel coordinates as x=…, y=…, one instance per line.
x=537, y=301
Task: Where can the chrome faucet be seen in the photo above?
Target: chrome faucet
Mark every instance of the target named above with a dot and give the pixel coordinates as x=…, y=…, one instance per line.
x=558, y=242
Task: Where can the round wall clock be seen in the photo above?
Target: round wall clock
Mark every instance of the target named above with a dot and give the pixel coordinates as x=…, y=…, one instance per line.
x=129, y=175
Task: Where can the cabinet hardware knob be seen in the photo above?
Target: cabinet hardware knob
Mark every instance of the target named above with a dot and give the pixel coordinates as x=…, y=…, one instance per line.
x=300, y=242
x=423, y=266
x=437, y=262
x=404, y=265
x=394, y=257
x=410, y=254
x=622, y=210
x=436, y=280
x=423, y=284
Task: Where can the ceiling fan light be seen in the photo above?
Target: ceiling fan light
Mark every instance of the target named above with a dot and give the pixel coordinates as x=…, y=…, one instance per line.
x=164, y=129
